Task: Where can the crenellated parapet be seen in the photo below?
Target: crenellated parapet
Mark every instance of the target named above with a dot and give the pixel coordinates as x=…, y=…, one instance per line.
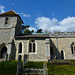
x=62, y=34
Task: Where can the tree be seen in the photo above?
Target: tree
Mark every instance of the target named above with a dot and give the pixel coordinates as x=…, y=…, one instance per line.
x=39, y=31
x=32, y=31
x=26, y=30
x=25, y=27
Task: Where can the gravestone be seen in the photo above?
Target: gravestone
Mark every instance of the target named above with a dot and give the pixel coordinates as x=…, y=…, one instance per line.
x=6, y=57
x=45, y=68
x=19, y=65
x=25, y=60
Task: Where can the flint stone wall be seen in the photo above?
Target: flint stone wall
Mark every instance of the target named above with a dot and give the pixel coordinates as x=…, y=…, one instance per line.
x=41, y=49
x=64, y=43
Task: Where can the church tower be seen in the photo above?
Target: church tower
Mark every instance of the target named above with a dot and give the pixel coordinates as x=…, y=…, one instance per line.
x=10, y=26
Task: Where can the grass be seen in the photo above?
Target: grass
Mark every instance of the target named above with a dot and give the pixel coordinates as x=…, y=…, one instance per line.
x=38, y=65
x=61, y=69
x=8, y=68
x=54, y=69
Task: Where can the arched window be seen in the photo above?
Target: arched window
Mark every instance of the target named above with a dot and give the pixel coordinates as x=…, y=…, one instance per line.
x=32, y=45
x=73, y=47
x=20, y=47
x=6, y=20
x=3, y=52
x=62, y=54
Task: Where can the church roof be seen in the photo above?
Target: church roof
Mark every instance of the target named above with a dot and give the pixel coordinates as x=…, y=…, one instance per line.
x=44, y=35
x=10, y=13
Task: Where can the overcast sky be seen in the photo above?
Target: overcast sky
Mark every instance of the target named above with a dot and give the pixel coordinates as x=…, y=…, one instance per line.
x=53, y=15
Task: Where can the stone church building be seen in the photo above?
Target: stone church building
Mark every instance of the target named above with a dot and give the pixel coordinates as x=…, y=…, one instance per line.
x=37, y=46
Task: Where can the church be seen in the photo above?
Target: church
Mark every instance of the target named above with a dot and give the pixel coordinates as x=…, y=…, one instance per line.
x=36, y=46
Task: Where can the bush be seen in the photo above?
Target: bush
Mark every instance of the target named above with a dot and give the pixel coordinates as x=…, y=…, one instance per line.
x=8, y=68
x=38, y=65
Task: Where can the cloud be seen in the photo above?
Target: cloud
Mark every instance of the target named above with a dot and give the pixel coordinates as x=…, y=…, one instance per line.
x=2, y=9
x=32, y=28
x=26, y=15
x=45, y=23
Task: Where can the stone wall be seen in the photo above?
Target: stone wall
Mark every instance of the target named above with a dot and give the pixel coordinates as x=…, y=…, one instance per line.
x=5, y=36
x=7, y=31
x=65, y=45
x=62, y=41
x=18, y=28
x=12, y=21
x=41, y=49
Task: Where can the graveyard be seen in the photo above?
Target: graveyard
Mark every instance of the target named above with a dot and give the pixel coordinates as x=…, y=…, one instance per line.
x=10, y=68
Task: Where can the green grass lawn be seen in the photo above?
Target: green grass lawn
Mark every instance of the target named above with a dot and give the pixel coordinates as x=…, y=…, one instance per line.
x=54, y=69
x=61, y=69
x=8, y=68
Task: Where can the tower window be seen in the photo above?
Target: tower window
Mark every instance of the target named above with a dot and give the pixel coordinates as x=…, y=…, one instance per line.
x=6, y=20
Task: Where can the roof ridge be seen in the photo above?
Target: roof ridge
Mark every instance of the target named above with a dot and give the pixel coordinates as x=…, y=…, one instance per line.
x=11, y=12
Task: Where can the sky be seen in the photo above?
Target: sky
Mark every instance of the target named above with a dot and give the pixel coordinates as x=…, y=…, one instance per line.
x=48, y=15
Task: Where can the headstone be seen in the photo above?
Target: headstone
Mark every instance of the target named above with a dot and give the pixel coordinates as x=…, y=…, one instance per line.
x=45, y=68
x=6, y=57
x=19, y=65
x=25, y=60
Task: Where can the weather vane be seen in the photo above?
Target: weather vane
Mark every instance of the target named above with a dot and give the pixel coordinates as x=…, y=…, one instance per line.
x=13, y=5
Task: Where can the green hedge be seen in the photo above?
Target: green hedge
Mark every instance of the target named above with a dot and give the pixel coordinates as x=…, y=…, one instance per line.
x=38, y=65
x=8, y=68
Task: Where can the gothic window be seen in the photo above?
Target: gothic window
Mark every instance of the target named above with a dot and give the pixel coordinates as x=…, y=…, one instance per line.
x=62, y=54
x=3, y=52
x=72, y=50
x=20, y=47
x=32, y=46
x=73, y=47
x=6, y=20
